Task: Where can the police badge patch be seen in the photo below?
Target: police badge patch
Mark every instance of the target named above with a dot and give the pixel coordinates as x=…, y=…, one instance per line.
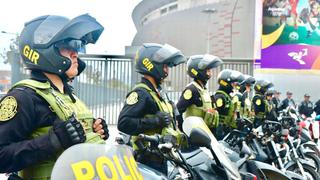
x=187, y=94
x=258, y=102
x=132, y=98
x=8, y=108
x=219, y=102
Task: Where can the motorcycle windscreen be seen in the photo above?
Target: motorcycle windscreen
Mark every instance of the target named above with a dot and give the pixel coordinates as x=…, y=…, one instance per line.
x=196, y=122
x=96, y=161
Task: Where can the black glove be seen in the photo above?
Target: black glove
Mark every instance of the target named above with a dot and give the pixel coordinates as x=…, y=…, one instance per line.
x=104, y=127
x=163, y=119
x=66, y=133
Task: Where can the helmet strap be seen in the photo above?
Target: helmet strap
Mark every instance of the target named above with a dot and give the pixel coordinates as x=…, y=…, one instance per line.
x=67, y=88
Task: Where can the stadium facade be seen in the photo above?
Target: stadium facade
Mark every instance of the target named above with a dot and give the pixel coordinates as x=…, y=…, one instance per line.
x=232, y=29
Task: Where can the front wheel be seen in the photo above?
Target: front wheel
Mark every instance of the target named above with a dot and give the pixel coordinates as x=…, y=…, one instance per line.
x=310, y=172
x=314, y=161
x=313, y=148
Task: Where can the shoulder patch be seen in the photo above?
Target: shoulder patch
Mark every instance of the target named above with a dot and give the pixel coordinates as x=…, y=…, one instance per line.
x=8, y=108
x=219, y=102
x=187, y=94
x=258, y=102
x=132, y=98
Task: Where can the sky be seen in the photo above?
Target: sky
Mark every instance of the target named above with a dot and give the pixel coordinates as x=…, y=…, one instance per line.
x=114, y=15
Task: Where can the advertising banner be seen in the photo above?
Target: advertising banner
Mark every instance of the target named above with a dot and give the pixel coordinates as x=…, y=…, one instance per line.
x=291, y=34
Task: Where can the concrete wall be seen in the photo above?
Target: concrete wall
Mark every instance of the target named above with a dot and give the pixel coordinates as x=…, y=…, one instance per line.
x=231, y=29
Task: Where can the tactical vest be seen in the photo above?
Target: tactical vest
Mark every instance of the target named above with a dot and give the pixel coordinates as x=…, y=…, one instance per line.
x=267, y=108
x=212, y=120
x=228, y=119
x=163, y=106
x=246, y=109
x=236, y=100
x=63, y=107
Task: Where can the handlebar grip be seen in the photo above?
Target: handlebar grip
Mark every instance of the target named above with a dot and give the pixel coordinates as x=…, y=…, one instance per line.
x=153, y=139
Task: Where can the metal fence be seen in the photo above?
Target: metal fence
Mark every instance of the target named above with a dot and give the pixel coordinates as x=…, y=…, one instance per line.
x=107, y=79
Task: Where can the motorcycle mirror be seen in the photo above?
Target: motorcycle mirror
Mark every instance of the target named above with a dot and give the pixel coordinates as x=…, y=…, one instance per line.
x=200, y=138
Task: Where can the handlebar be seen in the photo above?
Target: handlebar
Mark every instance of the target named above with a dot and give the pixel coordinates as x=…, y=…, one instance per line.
x=153, y=139
x=271, y=127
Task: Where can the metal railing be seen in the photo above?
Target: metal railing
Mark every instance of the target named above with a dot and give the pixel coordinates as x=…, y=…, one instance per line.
x=104, y=84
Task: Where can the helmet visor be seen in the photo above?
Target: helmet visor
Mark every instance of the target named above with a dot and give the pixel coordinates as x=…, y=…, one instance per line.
x=209, y=62
x=169, y=55
x=48, y=29
x=236, y=76
x=74, y=45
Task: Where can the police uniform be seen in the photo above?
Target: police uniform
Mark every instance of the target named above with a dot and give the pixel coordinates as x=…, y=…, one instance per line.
x=196, y=101
x=236, y=100
x=26, y=117
x=276, y=102
x=246, y=105
x=145, y=109
x=137, y=116
x=306, y=108
x=139, y=103
x=287, y=102
x=227, y=116
x=37, y=121
x=263, y=109
x=317, y=107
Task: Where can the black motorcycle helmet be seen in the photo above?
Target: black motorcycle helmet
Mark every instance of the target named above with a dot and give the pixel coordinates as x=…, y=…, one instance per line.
x=262, y=86
x=41, y=37
x=227, y=77
x=248, y=81
x=199, y=64
x=151, y=58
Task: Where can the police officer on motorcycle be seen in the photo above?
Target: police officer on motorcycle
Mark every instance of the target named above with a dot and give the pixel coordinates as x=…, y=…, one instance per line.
x=226, y=105
x=147, y=109
x=306, y=106
x=41, y=116
x=261, y=104
x=246, y=90
x=195, y=99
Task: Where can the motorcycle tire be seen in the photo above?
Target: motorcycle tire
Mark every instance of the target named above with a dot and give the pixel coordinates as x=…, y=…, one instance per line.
x=313, y=148
x=315, y=160
x=309, y=170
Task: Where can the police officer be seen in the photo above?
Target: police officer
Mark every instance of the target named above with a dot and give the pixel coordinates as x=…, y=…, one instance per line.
x=317, y=107
x=306, y=107
x=271, y=113
x=147, y=110
x=246, y=90
x=195, y=99
x=288, y=101
x=227, y=81
x=261, y=106
x=40, y=117
x=236, y=94
x=276, y=101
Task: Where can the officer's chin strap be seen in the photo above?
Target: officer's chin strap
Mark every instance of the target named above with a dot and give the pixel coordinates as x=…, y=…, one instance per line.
x=175, y=112
x=67, y=88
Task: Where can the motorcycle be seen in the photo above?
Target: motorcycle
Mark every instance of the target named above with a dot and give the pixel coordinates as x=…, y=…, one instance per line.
x=306, y=139
x=293, y=135
x=244, y=138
